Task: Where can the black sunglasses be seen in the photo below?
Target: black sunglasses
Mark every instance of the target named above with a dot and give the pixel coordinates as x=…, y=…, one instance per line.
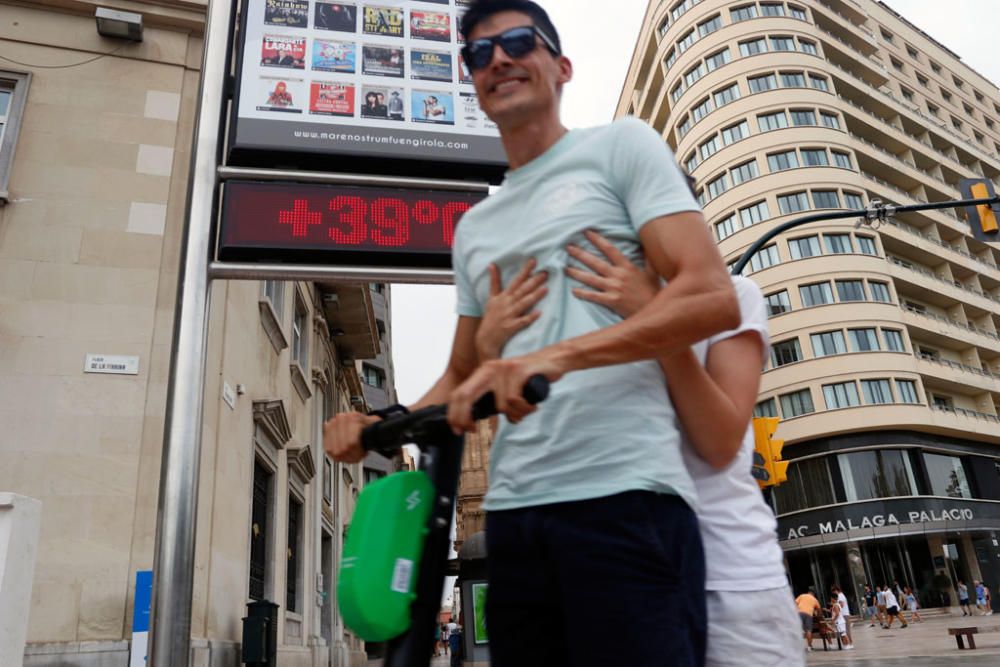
x=516, y=42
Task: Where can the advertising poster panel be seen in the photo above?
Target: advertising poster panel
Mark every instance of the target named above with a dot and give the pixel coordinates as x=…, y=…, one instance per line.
x=370, y=79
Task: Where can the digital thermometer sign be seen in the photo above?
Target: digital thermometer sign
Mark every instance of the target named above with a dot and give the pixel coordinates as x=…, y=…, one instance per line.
x=339, y=224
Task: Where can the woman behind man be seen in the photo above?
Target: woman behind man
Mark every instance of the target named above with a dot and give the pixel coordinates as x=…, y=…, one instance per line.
x=713, y=386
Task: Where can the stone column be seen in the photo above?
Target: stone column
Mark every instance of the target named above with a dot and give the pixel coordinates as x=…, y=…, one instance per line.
x=20, y=520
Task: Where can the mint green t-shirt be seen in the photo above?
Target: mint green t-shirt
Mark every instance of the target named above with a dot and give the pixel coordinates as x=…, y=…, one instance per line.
x=605, y=430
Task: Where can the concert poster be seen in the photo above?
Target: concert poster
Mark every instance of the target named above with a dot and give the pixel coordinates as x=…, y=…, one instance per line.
x=383, y=102
x=287, y=13
x=432, y=106
x=283, y=51
x=382, y=61
x=383, y=21
x=339, y=16
x=435, y=26
x=464, y=75
x=430, y=65
x=332, y=56
x=331, y=99
x=279, y=94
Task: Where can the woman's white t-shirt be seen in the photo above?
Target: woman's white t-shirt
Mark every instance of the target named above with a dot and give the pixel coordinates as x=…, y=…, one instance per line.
x=738, y=529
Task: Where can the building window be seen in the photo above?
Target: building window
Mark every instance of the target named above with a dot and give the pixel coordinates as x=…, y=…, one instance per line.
x=803, y=117
x=830, y=120
x=912, y=52
x=782, y=161
x=797, y=403
x=815, y=157
x=896, y=64
x=684, y=127
x=274, y=290
x=793, y=203
x=809, y=485
x=842, y=160
x=850, y=290
x=880, y=291
x=706, y=28
x=876, y=392
x=893, y=340
x=717, y=187
x=663, y=27
x=692, y=162
x=797, y=13
x=923, y=80
x=693, y=74
x=754, y=213
x=726, y=228
x=907, y=93
x=863, y=340
x=742, y=172
x=671, y=58
x=876, y=474
x=818, y=82
x=678, y=10
x=907, y=390
x=825, y=198
x=932, y=109
x=782, y=44
x=709, y=148
x=946, y=475
x=300, y=331
x=763, y=258
x=372, y=376
x=866, y=244
x=718, y=59
x=828, y=342
x=837, y=244
x=841, y=395
x=759, y=84
x=294, y=547
x=676, y=93
x=765, y=408
x=792, y=79
x=772, y=121
x=886, y=35
x=686, y=41
x=816, y=294
x=701, y=109
x=772, y=9
x=778, y=303
x=13, y=98
x=785, y=352
x=808, y=47
x=956, y=123
x=753, y=46
x=743, y=13
x=726, y=95
x=260, y=519
x=733, y=133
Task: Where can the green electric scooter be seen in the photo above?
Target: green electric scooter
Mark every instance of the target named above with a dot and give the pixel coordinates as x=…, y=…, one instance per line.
x=393, y=566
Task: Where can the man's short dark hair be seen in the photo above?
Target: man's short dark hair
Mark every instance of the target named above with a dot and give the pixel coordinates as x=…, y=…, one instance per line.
x=480, y=10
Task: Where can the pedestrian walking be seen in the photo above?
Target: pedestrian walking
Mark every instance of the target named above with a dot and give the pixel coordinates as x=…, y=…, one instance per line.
x=880, y=605
x=963, y=598
x=845, y=611
x=892, y=609
x=444, y=637
x=807, y=605
x=838, y=616
x=988, y=599
x=871, y=607
x=912, y=604
x=980, y=596
x=455, y=643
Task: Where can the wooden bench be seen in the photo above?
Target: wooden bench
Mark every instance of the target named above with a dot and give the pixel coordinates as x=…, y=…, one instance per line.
x=958, y=633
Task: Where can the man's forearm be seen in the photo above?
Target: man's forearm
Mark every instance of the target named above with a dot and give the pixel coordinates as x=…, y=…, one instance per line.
x=680, y=315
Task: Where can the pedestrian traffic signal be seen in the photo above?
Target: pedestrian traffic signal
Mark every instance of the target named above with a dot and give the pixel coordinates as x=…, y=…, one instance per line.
x=768, y=468
x=982, y=217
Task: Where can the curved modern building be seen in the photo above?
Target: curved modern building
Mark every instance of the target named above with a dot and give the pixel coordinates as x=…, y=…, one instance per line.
x=885, y=363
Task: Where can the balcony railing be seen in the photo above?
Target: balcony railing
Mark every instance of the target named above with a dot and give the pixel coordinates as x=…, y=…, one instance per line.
x=931, y=274
x=966, y=413
x=954, y=323
x=927, y=237
x=964, y=367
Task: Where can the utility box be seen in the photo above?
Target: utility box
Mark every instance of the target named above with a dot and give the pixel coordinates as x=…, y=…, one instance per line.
x=260, y=634
x=20, y=520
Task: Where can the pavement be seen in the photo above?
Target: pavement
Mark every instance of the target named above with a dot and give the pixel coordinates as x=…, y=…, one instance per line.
x=925, y=644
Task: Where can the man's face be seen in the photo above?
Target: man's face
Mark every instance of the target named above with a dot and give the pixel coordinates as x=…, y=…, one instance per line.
x=512, y=91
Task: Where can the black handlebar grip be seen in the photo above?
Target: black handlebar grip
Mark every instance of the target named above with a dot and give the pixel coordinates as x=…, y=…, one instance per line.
x=535, y=390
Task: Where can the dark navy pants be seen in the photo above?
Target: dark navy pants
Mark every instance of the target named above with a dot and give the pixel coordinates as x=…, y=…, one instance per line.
x=611, y=581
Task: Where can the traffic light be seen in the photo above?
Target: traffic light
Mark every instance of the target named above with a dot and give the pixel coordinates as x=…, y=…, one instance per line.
x=768, y=468
x=982, y=218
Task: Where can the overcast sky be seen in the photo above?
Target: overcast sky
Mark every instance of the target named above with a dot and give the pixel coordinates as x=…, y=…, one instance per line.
x=600, y=45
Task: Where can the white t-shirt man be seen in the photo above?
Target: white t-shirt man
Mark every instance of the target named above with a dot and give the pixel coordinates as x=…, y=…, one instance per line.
x=890, y=599
x=751, y=610
x=842, y=600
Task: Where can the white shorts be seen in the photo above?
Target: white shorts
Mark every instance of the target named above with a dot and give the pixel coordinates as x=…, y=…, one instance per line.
x=754, y=628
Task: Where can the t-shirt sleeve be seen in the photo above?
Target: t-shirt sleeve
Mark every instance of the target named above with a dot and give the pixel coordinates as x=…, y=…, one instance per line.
x=753, y=314
x=646, y=174
x=466, y=303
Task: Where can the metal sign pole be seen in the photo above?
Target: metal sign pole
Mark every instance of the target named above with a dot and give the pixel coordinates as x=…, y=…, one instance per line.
x=173, y=567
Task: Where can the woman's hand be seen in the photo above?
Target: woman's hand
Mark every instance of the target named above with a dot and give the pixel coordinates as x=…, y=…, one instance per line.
x=509, y=310
x=617, y=283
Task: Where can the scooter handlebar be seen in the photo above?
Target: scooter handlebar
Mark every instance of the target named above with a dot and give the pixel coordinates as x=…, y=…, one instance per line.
x=393, y=433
